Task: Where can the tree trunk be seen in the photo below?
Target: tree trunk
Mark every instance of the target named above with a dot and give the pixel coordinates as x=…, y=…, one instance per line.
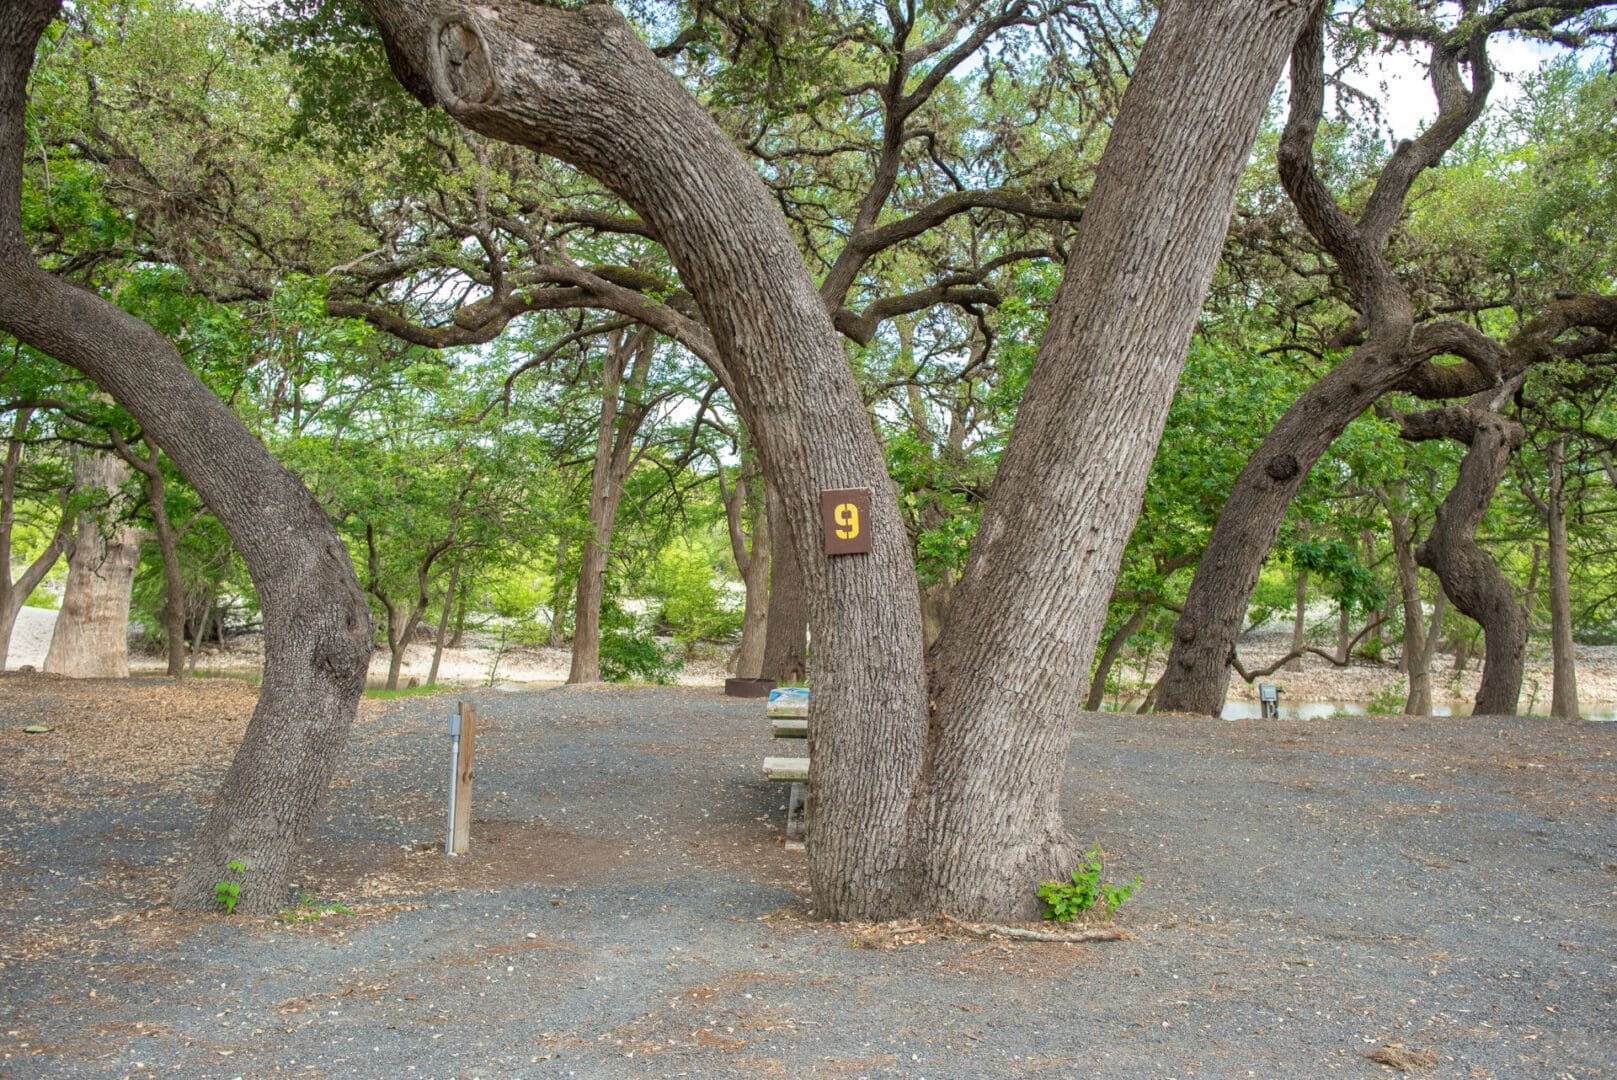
x=1299, y=625
x=317, y=626
x=1109, y=655
x=1564, y=698
x=91, y=638
x=786, y=626
x=1197, y=675
x=1530, y=593
x=1344, y=633
x=13, y=594
x=971, y=823
x=752, y=561
x=443, y=624
x=1473, y=582
x=614, y=454
x=175, y=600
x=1416, y=663
x=1030, y=605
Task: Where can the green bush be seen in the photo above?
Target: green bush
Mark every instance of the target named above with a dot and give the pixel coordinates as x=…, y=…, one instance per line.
x=629, y=648
x=691, y=604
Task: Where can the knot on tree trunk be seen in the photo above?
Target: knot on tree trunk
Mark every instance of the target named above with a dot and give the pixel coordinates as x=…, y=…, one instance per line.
x=1281, y=467
x=461, y=71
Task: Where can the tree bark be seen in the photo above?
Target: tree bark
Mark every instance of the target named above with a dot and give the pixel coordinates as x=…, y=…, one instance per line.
x=13, y=594
x=317, y=626
x=615, y=433
x=91, y=637
x=1473, y=582
x=1564, y=697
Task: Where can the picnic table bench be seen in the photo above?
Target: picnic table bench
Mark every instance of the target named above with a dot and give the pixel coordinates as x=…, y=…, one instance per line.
x=787, y=711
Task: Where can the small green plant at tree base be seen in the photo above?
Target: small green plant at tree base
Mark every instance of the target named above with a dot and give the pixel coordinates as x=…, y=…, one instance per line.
x=309, y=908
x=228, y=891
x=1068, y=901
x=1389, y=700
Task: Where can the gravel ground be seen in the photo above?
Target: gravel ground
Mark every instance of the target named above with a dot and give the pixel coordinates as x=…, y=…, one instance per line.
x=1314, y=893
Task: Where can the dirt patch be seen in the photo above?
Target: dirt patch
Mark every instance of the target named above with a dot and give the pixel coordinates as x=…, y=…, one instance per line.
x=504, y=854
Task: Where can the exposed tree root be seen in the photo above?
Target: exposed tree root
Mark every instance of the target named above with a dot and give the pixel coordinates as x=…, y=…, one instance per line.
x=1022, y=933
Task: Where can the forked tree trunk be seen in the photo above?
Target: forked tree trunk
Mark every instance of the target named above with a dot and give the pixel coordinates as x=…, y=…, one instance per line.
x=615, y=432
x=1564, y=698
x=91, y=637
x=1473, y=582
x=317, y=626
x=786, y=626
x=971, y=822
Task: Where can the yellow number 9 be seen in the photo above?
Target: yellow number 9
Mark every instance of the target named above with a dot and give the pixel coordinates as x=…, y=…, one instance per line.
x=847, y=516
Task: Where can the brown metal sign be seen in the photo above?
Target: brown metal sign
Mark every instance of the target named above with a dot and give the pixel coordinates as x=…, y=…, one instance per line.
x=845, y=518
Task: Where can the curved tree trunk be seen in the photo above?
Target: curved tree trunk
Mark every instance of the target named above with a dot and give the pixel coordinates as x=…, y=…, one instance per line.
x=91, y=637
x=1197, y=675
x=1564, y=698
x=582, y=86
x=317, y=626
x=1472, y=581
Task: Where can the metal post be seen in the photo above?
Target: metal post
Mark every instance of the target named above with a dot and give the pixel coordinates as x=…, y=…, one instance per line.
x=454, y=773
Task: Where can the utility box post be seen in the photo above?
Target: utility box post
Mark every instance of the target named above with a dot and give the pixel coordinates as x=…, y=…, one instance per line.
x=1269, y=700
x=463, y=733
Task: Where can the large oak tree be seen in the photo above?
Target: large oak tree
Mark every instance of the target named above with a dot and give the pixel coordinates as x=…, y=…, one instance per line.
x=938, y=793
